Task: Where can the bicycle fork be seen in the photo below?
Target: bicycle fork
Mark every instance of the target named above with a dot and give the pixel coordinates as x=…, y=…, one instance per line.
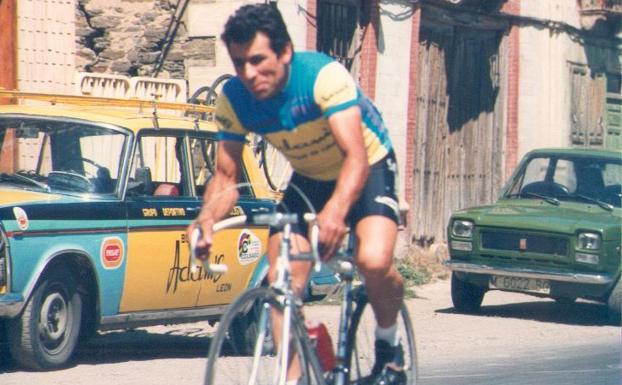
x=342, y=369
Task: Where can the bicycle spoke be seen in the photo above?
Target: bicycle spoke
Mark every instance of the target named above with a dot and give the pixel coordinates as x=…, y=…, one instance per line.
x=362, y=350
x=243, y=351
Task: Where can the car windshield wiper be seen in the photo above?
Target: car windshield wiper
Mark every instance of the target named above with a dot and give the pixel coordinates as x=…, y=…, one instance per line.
x=551, y=200
x=24, y=179
x=604, y=205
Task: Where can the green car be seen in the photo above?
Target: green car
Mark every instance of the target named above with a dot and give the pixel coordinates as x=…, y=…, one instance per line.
x=554, y=232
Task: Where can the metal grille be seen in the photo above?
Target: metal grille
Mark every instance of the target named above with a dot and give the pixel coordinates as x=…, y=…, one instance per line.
x=336, y=30
x=544, y=244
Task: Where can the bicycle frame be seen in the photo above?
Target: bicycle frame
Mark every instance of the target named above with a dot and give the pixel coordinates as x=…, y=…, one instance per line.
x=281, y=297
x=282, y=283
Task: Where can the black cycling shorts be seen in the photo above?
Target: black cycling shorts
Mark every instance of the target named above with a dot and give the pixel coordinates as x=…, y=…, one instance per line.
x=379, y=195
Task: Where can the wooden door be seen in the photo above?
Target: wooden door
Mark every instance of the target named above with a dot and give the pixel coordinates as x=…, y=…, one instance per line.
x=460, y=124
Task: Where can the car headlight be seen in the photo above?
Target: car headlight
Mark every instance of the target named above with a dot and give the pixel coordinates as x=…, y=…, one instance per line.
x=462, y=228
x=588, y=241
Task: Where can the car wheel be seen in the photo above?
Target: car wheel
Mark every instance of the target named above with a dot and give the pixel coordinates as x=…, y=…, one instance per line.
x=46, y=334
x=614, y=303
x=246, y=328
x=465, y=296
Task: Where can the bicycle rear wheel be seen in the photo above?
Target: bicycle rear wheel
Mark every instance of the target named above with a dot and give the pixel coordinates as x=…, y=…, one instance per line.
x=259, y=363
x=361, y=342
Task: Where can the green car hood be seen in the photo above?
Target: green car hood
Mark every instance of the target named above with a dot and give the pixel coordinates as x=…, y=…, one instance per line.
x=537, y=215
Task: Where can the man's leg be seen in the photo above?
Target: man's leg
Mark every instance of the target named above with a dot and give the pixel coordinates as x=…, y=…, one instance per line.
x=376, y=236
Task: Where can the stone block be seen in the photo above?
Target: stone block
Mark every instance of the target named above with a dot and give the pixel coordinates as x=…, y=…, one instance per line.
x=121, y=66
x=112, y=54
x=105, y=21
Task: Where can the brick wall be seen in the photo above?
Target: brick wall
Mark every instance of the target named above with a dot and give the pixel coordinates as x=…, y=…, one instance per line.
x=311, y=25
x=412, y=109
x=511, y=146
x=369, y=51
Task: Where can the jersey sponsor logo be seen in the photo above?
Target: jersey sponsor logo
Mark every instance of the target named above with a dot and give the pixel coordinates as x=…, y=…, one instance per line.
x=390, y=202
x=249, y=247
x=112, y=253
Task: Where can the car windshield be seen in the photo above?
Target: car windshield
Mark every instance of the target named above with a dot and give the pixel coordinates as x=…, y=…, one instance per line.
x=60, y=156
x=558, y=178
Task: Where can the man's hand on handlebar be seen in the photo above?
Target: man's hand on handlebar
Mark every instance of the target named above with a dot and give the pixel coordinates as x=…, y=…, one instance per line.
x=204, y=243
x=332, y=231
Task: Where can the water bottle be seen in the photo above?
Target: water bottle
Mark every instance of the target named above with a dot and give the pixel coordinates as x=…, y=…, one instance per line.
x=318, y=333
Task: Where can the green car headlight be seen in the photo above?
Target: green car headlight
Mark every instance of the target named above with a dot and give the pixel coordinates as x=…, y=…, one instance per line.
x=588, y=241
x=462, y=228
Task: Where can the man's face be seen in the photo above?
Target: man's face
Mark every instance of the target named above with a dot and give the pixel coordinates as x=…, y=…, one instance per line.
x=262, y=71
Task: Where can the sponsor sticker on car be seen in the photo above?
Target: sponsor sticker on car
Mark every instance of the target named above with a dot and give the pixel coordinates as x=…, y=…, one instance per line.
x=249, y=247
x=112, y=253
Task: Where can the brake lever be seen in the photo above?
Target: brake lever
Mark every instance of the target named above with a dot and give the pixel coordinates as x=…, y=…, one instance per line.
x=216, y=268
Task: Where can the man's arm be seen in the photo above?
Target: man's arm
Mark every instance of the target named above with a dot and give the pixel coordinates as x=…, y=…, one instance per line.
x=220, y=195
x=346, y=128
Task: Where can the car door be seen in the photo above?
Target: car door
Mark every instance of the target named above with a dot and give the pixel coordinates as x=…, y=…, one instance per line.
x=242, y=249
x=161, y=201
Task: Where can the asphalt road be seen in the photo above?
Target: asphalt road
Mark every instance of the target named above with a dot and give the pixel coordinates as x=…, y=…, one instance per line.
x=516, y=339
x=589, y=364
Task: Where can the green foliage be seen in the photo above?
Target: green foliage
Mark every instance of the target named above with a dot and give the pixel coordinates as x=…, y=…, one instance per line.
x=413, y=276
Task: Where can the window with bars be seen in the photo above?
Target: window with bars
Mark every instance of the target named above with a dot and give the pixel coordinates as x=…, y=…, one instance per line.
x=587, y=106
x=337, y=26
x=596, y=112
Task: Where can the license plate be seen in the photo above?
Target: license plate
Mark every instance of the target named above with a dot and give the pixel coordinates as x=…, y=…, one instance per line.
x=520, y=284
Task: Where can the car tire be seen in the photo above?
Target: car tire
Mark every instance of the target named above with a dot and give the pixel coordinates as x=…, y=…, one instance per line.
x=245, y=327
x=47, y=345
x=614, y=303
x=465, y=296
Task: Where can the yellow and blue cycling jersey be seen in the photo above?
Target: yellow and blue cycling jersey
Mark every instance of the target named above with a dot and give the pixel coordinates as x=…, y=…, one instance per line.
x=295, y=121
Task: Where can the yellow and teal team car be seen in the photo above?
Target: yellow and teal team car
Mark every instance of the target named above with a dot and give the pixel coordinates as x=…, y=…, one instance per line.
x=95, y=197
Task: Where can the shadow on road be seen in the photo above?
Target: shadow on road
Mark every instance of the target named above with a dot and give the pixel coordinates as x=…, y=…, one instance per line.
x=579, y=313
x=134, y=345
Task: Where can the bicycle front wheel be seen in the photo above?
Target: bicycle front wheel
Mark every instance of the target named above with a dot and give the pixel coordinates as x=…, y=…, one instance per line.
x=361, y=342
x=243, y=350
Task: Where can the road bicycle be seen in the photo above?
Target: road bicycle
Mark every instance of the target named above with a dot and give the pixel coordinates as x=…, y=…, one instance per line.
x=243, y=350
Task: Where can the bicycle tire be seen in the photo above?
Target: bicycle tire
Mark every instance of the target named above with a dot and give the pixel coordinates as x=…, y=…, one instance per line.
x=210, y=98
x=276, y=168
x=231, y=364
x=360, y=342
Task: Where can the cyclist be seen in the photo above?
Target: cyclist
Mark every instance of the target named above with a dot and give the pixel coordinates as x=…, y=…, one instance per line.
x=309, y=107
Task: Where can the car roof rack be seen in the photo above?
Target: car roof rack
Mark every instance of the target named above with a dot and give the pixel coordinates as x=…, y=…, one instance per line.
x=81, y=100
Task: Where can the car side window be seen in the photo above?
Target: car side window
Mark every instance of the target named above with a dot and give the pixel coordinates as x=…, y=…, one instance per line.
x=536, y=170
x=203, y=156
x=203, y=162
x=158, y=168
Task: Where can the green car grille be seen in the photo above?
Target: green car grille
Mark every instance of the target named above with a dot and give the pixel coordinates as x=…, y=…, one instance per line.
x=533, y=243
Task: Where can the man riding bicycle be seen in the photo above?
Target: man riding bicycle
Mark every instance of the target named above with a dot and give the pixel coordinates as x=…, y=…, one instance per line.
x=308, y=106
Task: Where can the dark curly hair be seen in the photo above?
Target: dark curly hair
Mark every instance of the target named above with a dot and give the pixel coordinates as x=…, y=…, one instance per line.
x=244, y=24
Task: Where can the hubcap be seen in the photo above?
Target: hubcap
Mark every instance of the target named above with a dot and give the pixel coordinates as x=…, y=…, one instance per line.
x=54, y=314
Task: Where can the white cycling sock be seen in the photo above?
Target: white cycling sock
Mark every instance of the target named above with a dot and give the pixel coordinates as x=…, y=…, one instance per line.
x=291, y=382
x=388, y=334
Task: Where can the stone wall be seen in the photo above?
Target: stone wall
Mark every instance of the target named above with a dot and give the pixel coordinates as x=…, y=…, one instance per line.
x=127, y=37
